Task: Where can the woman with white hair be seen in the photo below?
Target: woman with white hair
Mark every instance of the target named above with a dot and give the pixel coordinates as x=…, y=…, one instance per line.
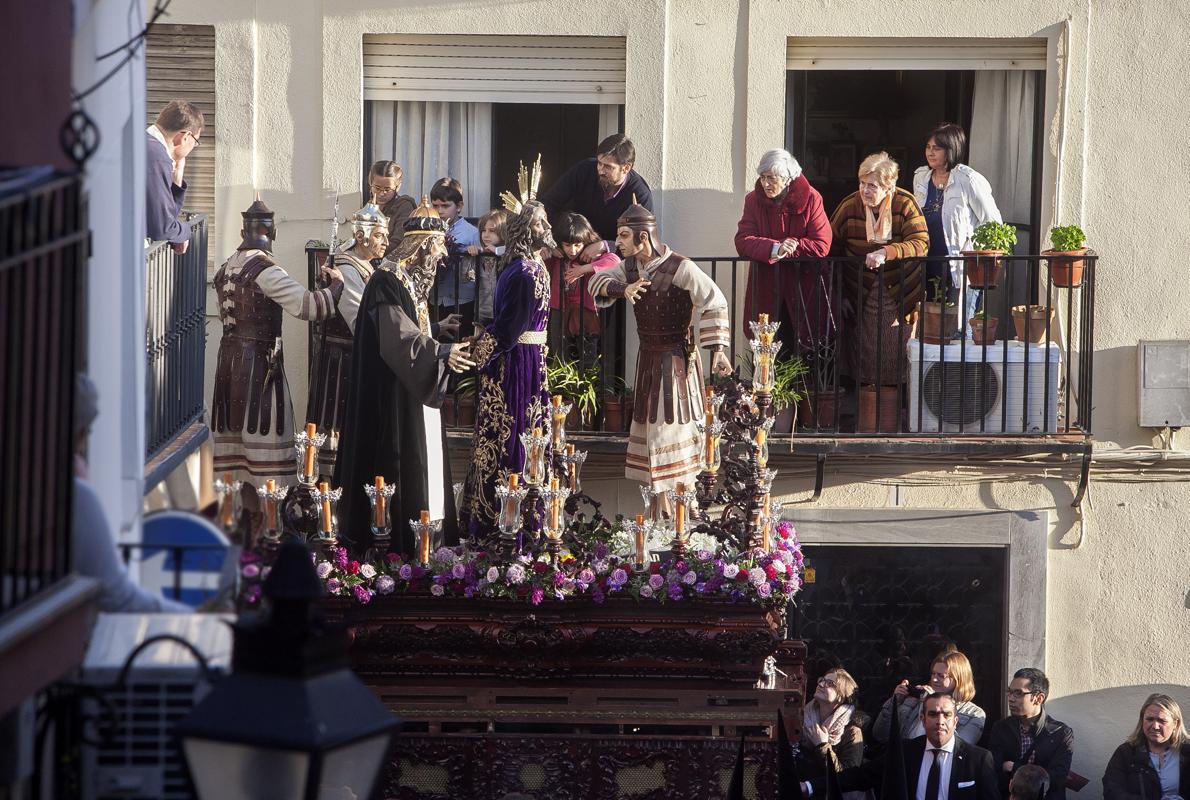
x=881, y=223
x=784, y=219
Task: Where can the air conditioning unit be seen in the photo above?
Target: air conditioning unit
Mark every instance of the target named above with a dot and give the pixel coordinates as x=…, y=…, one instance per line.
x=983, y=389
x=129, y=752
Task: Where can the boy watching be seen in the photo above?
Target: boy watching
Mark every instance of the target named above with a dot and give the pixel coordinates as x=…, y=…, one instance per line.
x=456, y=278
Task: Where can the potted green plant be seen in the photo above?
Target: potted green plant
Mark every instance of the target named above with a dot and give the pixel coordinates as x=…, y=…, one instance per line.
x=939, y=317
x=788, y=377
x=983, y=327
x=816, y=409
x=617, y=405
x=990, y=241
x=1065, y=259
x=579, y=387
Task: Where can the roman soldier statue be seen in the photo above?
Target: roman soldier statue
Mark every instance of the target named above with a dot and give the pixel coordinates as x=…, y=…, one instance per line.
x=513, y=395
x=669, y=296
x=330, y=366
x=252, y=412
x=393, y=426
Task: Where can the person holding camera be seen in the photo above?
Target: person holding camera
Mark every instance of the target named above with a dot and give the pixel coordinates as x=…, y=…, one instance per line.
x=950, y=673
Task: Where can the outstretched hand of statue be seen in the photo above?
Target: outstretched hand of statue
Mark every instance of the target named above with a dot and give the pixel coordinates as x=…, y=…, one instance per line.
x=449, y=325
x=331, y=274
x=459, y=359
x=634, y=290
x=720, y=363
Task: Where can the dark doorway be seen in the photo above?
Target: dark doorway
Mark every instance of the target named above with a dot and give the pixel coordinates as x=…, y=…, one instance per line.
x=563, y=134
x=883, y=612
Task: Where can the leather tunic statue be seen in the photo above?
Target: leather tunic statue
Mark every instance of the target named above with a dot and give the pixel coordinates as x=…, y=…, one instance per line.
x=663, y=327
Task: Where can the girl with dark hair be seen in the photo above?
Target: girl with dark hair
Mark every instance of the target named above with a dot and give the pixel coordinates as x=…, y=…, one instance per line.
x=580, y=319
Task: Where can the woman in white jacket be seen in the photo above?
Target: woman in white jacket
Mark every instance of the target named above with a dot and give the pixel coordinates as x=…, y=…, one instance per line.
x=955, y=200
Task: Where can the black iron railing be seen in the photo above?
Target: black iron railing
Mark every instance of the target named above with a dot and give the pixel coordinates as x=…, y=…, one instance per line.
x=175, y=337
x=43, y=254
x=876, y=356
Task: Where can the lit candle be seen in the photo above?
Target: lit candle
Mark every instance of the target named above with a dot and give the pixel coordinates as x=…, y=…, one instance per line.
x=334, y=440
x=764, y=533
x=270, y=504
x=534, y=457
x=640, y=538
x=554, y=504
x=423, y=548
x=308, y=463
x=228, y=501
x=680, y=511
x=762, y=454
x=324, y=489
x=763, y=319
x=380, y=502
x=571, y=467
x=708, y=419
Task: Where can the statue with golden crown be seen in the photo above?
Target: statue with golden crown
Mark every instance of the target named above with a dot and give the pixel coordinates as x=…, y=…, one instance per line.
x=512, y=407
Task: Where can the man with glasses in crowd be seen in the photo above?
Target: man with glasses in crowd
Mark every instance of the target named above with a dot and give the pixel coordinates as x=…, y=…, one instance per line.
x=1030, y=736
x=174, y=135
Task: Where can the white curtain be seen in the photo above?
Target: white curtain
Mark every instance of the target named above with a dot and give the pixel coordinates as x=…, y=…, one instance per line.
x=432, y=140
x=1001, y=147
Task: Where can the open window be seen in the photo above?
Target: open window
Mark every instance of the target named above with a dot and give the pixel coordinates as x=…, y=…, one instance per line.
x=474, y=106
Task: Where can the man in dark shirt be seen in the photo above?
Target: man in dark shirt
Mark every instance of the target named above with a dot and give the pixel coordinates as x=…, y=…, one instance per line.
x=176, y=132
x=1029, y=736
x=601, y=188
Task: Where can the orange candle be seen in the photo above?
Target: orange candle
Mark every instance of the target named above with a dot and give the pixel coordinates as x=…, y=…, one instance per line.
x=308, y=463
x=554, y=504
x=380, y=502
x=640, y=538
x=324, y=488
x=764, y=534
x=270, y=505
x=571, y=467
x=423, y=549
x=228, y=501
x=513, y=480
x=680, y=512
x=708, y=421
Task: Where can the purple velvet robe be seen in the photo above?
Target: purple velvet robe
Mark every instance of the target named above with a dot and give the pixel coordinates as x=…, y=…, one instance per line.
x=513, y=396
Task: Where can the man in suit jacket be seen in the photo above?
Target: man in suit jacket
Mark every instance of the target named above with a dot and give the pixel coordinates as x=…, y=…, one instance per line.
x=1030, y=736
x=938, y=766
x=170, y=139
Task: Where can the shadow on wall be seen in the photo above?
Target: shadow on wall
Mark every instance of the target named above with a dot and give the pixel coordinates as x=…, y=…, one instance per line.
x=1101, y=721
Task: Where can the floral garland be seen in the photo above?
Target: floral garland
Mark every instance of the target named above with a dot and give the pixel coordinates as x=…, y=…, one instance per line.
x=769, y=579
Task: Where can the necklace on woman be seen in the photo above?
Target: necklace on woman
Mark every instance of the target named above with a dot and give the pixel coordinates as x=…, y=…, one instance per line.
x=940, y=186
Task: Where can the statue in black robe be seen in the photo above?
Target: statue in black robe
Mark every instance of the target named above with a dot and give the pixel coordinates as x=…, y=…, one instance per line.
x=398, y=379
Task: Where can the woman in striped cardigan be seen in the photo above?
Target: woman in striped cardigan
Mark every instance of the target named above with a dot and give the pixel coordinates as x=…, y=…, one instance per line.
x=880, y=223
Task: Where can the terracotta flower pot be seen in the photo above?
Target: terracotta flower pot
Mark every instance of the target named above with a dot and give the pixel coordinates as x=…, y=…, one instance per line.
x=613, y=413
x=1031, y=322
x=938, y=322
x=1066, y=267
x=984, y=271
x=817, y=410
x=983, y=330
x=466, y=416
x=890, y=409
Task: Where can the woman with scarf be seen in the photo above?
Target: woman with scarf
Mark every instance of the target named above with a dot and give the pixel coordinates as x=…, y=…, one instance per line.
x=832, y=728
x=880, y=223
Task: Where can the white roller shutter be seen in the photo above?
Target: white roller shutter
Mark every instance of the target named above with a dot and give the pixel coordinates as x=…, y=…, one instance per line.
x=929, y=54
x=494, y=69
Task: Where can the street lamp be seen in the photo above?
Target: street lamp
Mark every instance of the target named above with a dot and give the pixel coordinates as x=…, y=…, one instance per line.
x=292, y=720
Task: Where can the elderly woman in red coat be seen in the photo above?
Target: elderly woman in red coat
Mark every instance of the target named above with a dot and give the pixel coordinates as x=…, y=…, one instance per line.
x=784, y=219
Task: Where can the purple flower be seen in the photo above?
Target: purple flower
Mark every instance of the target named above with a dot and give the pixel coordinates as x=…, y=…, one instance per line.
x=646, y=591
x=493, y=575
x=675, y=591
x=250, y=571
x=763, y=589
x=361, y=594
x=690, y=578
x=597, y=595
x=700, y=587
x=756, y=576
x=333, y=585
x=323, y=569
x=537, y=596
x=559, y=578
x=681, y=566
x=444, y=554
x=673, y=576
x=516, y=574
x=341, y=557
x=437, y=590
x=600, y=551
x=469, y=591
x=406, y=572
x=618, y=578
x=789, y=587
x=253, y=594
x=586, y=576
x=458, y=572
x=730, y=571
x=656, y=582
x=385, y=584
x=704, y=555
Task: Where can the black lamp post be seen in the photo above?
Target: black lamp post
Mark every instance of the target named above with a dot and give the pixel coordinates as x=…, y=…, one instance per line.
x=292, y=720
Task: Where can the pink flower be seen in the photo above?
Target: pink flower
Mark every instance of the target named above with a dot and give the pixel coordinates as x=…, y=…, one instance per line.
x=323, y=569
x=362, y=594
x=656, y=582
x=764, y=590
x=537, y=596
x=646, y=591
x=385, y=584
x=333, y=585
x=250, y=571
x=437, y=590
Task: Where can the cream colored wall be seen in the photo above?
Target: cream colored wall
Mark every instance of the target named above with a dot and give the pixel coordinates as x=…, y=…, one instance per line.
x=706, y=88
